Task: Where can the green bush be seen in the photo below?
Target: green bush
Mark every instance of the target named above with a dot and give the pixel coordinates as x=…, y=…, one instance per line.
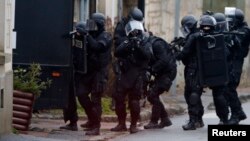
x=106, y=104
x=28, y=80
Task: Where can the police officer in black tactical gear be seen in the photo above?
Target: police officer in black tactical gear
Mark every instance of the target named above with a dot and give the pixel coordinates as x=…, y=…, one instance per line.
x=70, y=112
x=218, y=90
x=223, y=28
x=135, y=53
x=193, y=90
x=120, y=36
x=239, y=50
x=90, y=85
x=207, y=26
x=163, y=67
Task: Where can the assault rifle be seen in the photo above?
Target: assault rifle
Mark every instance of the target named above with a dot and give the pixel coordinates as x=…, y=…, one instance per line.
x=177, y=44
x=224, y=32
x=233, y=32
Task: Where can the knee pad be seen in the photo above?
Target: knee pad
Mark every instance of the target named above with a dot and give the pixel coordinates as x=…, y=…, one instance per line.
x=194, y=98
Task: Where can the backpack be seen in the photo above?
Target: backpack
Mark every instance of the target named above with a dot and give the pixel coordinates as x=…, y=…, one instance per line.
x=167, y=46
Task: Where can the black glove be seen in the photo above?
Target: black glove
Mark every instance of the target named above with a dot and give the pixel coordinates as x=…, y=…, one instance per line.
x=135, y=41
x=178, y=56
x=82, y=31
x=152, y=71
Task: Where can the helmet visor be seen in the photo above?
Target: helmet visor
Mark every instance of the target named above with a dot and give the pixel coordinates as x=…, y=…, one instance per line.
x=221, y=26
x=185, y=30
x=133, y=26
x=91, y=25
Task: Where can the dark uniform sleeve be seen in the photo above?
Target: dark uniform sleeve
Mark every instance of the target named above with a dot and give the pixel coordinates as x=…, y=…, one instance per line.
x=123, y=49
x=101, y=44
x=188, y=47
x=244, y=40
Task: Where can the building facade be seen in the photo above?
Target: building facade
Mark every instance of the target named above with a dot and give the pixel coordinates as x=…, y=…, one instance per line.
x=7, y=42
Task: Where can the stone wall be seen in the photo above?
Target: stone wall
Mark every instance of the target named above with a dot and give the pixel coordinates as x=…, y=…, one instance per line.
x=160, y=19
x=160, y=15
x=245, y=78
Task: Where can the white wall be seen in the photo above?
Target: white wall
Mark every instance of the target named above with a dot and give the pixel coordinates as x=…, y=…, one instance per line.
x=6, y=81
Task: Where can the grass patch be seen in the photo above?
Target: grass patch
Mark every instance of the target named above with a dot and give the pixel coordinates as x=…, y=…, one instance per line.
x=14, y=131
x=106, y=103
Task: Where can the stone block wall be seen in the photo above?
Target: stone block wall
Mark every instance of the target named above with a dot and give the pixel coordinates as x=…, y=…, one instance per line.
x=245, y=78
x=160, y=19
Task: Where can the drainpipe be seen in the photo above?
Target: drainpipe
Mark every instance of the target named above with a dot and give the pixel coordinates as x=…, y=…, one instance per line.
x=176, y=34
x=120, y=9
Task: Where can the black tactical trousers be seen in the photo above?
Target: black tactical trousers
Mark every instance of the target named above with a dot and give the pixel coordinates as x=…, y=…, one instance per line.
x=161, y=83
x=194, y=103
x=234, y=81
x=220, y=102
x=192, y=94
x=158, y=110
x=134, y=94
x=92, y=106
x=120, y=107
x=88, y=98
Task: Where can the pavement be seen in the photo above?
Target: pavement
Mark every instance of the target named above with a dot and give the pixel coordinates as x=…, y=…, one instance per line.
x=46, y=127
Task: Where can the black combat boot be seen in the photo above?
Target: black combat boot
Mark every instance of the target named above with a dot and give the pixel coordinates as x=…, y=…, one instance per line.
x=151, y=125
x=133, y=129
x=71, y=126
x=120, y=127
x=190, y=125
x=199, y=123
x=224, y=121
x=234, y=120
x=88, y=124
x=220, y=122
x=242, y=115
x=165, y=122
x=94, y=131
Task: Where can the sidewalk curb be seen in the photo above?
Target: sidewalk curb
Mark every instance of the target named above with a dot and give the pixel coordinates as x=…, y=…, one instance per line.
x=173, y=109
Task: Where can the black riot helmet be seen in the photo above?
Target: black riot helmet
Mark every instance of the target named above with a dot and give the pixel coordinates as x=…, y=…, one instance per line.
x=188, y=24
x=207, y=23
x=239, y=16
x=135, y=14
x=80, y=27
x=221, y=22
x=99, y=22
